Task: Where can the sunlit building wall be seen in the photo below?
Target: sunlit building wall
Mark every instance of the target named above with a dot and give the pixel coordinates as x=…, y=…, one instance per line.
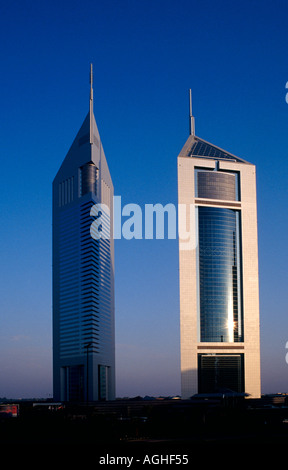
x=218, y=270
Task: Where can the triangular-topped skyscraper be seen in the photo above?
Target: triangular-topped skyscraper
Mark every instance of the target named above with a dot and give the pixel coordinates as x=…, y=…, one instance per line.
x=83, y=271
x=218, y=271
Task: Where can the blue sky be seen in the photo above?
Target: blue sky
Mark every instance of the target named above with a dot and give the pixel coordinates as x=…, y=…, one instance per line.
x=146, y=55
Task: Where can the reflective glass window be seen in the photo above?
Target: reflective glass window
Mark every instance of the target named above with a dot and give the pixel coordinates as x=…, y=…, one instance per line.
x=219, y=275
x=217, y=185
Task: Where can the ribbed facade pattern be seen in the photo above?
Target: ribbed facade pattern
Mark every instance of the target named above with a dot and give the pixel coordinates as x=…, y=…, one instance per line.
x=84, y=283
x=88, y=179
x=218, y=372
x=83, y=271
x=85, y=297
x=216, y=185
x=95, y=285
x=68, y=284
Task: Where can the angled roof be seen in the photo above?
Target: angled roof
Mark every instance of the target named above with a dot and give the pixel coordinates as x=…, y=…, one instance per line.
x=199, y=148
x=86, y=147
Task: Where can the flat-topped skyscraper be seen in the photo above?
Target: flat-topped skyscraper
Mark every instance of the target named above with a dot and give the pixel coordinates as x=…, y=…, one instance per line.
x=83, y=272
x=219, y=298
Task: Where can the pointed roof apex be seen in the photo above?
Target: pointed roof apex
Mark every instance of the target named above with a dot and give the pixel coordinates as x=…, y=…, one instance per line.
x=192, y=121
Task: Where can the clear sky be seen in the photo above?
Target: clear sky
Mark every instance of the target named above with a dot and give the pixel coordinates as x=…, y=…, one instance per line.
x=146, y=55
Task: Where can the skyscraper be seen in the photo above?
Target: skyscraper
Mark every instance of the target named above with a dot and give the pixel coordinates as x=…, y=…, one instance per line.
x=83, y=272
x=218, y=271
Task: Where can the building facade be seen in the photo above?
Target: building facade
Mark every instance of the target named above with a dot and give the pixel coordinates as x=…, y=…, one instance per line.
x=83, y=272
x=218, y=271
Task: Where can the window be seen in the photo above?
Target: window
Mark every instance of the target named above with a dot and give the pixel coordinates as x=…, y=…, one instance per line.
x=219, y=275
x=217, y=185
x=219, y=373
x=88, y=179
x=103, y=382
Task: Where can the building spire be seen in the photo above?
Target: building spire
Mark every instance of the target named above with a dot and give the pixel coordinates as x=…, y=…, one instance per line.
x=91, y=82
x=91, y=104
x=192, y=122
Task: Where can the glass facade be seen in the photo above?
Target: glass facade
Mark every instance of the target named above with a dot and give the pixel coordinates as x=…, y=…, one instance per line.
x=219, y=275
x=73, y=382
x=217, y=185
x=88, y=179
x=102, y=382
x=218, y=373
x=84, y=287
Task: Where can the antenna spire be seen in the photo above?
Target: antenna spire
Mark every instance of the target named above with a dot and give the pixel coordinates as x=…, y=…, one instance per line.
x=91, y=82
x=192, y=122
x=91, y=104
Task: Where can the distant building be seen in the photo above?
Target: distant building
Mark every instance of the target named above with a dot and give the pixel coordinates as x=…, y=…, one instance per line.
x=83, y=272
x=219, y=300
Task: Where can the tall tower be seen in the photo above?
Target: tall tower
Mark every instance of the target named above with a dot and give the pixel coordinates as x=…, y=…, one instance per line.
x=218, y=266
x=83, y=272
